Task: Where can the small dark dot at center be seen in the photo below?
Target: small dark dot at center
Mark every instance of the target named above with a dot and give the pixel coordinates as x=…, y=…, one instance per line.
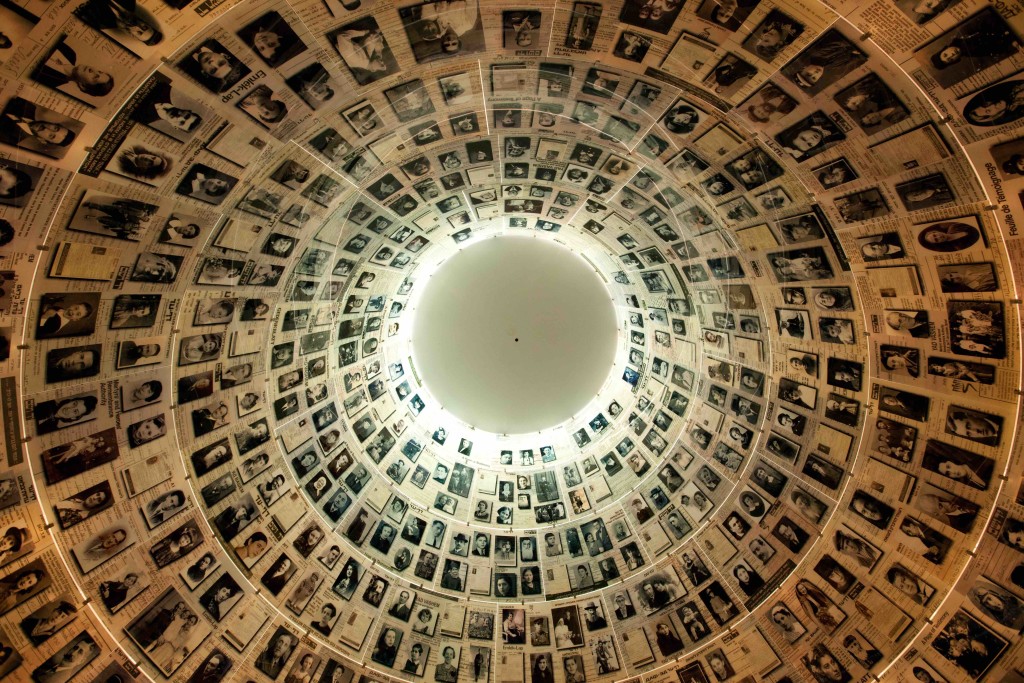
x=517, y=338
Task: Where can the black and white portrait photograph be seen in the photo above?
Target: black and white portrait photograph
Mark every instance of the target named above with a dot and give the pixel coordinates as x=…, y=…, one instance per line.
x=276, y=652
x=67, y=315
x=133, y=311
x=718, y=603
x=728, y=17
x=900, y=359
x=769, y=479
x=200, y=348
x=871, y=104
x=164, y=507
x=19, y=182
x=214, y=67
x=35, y=128
x=769, y=104
x=950, y=236
x=168, y=110
x=49, y=619
x=882, y=247
x=824, y=472
x=805, y=227
x=142, y=162
x=264, y=106
x=969, y=645
x=111, y=216
x=754, y=168
x=73, y=510
x=583, y=23
x=101, y=546
x=69, y=660
x=903, y=403
x=925, y=192
x=729, y=75
x=835, y=173
x=973, y=425
x=793, y=323
x=976, y=328
x=913, y=324
x=223, y=594
x=958, y=464
x=273, y=39
x=775, y=33
x=974, y=45
x=567, y=627
x=953, y=510
x=520, y=29
x=801, y=265
x=810, y=136
x=72, y=68
x=824, y=62
x=139, y=392
x=650, y=15
x=78, y=456
x=206, y=184
x=783, y=447
x=967, y=371
x=924, y=539
x=997, y=603
x=632, y=46
x=176, y=544
x=73, y=362
x=443, y=29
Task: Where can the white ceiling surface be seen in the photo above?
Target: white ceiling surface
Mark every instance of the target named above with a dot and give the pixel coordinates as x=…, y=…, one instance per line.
x=484, y=298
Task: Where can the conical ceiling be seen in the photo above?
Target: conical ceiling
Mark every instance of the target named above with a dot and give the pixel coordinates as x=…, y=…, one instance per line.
x=228, y=457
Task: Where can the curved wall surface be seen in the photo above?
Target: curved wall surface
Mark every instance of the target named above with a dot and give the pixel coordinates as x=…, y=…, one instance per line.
x=222, y=463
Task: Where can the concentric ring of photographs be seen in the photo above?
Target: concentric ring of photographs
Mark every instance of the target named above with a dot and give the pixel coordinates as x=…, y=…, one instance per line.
x=264, y=450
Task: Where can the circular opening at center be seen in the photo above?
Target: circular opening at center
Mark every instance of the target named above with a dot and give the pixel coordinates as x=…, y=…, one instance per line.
x=514, y=334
